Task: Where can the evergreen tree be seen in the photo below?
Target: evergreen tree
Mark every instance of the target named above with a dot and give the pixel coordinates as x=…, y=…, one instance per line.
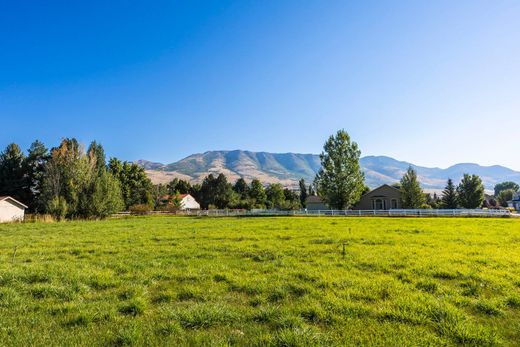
x=470, y=192
x=96, y=155
x=412, y=195
x=35, y=161
x=241, y=188
x=449, y=196
x=12, y=176
x=303, y=192
x=340, y=181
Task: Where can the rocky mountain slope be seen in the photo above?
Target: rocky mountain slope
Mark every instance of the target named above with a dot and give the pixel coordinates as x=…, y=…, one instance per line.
x=288, y=168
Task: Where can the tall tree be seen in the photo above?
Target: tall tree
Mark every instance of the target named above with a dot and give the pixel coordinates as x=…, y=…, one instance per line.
x=35, y=161
x=136, y=187
x=215, y=192
x=257, y=194
x=96, y=155
x=303, y=192
x=12, y=175
x=506, y=185
x=275, y=195
x=470, y=191
x=340, y=181
x=412, y=195
x=241, y=188
x=449, y=196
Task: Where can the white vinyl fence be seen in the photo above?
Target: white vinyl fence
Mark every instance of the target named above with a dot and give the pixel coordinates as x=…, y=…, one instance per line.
x=348, y=213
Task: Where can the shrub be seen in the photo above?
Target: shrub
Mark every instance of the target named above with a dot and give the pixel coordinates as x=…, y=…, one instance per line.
x=139, y=209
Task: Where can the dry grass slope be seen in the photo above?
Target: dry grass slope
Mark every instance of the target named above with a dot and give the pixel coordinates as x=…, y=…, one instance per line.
x=261, y=281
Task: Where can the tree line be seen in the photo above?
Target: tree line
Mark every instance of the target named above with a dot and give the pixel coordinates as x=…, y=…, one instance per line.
x=340, y=182
x=69, y=181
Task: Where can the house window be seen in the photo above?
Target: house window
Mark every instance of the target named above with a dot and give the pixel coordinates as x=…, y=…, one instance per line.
x=394, y=203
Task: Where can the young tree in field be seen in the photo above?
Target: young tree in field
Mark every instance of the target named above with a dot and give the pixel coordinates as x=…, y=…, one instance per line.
x=12, y=176
x=257, y=194
x=504, y=196
x=412, y=195
x=340, y=180
x=505, y=186
x=470, y=192
x=303, y=192
x=449, y=196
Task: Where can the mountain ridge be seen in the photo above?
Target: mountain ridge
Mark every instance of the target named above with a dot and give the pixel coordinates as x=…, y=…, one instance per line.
x=288, y=168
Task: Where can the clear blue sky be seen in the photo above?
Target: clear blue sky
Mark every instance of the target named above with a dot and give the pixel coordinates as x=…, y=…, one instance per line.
x=431, y=82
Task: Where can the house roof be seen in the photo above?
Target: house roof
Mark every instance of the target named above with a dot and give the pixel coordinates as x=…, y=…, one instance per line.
x=313, y=199
x=12, y=200
x=182, y=196
x=378, y=188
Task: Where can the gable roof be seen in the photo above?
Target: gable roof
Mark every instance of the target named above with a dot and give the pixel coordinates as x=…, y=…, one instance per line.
x=313, y=199
x=12, y=200
x=379, y=188
x=181, y=196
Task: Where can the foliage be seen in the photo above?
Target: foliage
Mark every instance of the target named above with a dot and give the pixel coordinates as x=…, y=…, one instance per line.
x=340, y=181
x=257, y=194
x=181, y=281
x=139, y=209
x=504, y=196
x=470, y=192
x=216, y=192
x=449, y=196
x=136, y=187
x=412, y=195
x=505, y=186
x=275, y=196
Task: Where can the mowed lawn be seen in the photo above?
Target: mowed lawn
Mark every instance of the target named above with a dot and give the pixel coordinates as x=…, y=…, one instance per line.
x=261, y=281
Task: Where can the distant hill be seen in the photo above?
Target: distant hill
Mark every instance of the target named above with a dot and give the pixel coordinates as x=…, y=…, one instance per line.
x=288, y=168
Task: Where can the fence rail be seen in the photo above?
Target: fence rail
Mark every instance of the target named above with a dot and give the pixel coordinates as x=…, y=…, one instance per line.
x=347, y=213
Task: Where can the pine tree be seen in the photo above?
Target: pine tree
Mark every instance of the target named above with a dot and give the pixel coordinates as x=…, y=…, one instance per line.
x=12, y=176
x=340, y=181
x=412, y=195
x=303, y=192
x=449, y=196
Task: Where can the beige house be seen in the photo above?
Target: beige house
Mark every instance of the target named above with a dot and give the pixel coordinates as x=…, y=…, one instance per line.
x=315, y=203
x=11, y=210
x=383, y=198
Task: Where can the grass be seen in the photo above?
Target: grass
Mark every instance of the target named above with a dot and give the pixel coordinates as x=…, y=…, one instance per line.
x=261, y=282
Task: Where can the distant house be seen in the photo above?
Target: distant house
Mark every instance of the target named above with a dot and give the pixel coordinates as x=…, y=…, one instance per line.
x=383, y=198
x=188, y=202
x=515, y=203
x=314, y=203
x=11, y=210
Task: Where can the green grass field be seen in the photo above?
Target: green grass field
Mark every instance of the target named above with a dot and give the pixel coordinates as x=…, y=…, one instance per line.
x=261, y=281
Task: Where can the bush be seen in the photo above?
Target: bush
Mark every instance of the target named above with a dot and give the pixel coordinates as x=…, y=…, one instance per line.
x=139, y=209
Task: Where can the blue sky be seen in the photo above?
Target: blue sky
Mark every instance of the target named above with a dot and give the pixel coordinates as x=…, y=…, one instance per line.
x=430, y=82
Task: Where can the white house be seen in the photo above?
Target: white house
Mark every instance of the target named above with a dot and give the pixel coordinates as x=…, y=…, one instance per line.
x=11, y=210
x=188, y=202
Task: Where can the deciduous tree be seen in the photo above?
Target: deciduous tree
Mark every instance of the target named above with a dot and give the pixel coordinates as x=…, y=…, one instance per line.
x=340, y=181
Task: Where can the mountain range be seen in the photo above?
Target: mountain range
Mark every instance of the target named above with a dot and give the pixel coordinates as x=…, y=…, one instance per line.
x=288, y=168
